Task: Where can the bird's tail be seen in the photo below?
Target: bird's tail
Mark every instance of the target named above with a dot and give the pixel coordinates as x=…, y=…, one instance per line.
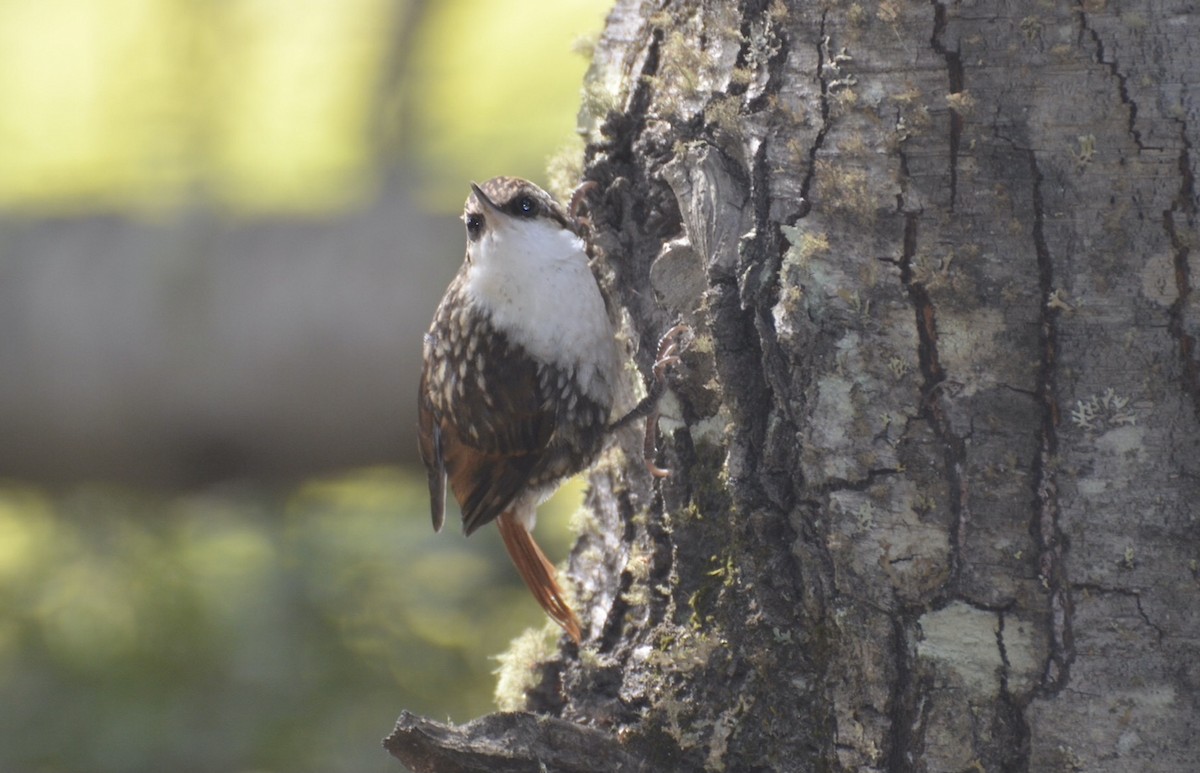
x=538, y=573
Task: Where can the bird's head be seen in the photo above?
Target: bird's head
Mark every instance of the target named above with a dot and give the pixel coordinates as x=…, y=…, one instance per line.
x=507, y=215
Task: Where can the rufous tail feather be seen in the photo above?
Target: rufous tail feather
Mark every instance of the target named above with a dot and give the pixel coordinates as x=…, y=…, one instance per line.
x=538, y=573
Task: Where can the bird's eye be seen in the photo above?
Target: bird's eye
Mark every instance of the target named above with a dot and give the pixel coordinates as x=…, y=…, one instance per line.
x=474, y=225
x=526, y=206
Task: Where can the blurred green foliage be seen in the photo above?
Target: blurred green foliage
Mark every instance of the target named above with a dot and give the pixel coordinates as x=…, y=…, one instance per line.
x=269, y=106
x=236, y=630
x=495, y=89
x=140, y=105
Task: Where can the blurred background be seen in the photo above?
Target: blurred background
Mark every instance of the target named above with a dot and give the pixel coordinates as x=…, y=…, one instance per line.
x=224, y=227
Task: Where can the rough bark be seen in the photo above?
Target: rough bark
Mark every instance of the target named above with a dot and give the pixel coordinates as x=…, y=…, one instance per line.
x=936, y=446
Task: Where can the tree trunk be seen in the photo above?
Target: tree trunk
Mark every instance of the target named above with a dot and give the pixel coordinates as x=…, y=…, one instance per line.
x=935, y=449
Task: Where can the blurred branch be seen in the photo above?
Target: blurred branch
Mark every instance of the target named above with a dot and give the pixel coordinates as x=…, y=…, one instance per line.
x=517, y=742
x=391, y=111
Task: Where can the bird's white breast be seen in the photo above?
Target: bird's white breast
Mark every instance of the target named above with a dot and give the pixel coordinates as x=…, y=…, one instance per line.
x=533, y=278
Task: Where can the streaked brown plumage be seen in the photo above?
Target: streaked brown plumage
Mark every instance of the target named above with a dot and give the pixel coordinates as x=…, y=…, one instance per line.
x=518, y=383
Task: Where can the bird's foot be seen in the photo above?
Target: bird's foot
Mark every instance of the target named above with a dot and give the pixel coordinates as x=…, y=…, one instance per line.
x=669, y=347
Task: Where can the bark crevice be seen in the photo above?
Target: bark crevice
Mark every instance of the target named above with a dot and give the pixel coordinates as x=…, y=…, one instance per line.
x=1046, y=529
x=819, y=140
x=933, y=395
x=908, y=702
x=954, y=71
x=1115, y=71
x=1180, y=238
x=1129, y=593
x=1014, y=732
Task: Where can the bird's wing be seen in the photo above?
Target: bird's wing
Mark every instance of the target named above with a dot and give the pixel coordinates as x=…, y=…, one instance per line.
x=486, y=429
x=429, y=438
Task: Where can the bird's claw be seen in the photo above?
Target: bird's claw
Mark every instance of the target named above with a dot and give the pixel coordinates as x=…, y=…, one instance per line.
x=656, y=471
x=578, y=197
x=668, y=348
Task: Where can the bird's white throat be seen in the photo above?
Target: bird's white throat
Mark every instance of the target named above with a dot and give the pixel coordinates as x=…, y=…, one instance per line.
x=532, y=276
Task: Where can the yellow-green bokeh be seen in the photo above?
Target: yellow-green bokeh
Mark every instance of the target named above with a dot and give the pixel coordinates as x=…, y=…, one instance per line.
x=277, y=106
x=140, y=105
x=240, y=630
x=496, y=87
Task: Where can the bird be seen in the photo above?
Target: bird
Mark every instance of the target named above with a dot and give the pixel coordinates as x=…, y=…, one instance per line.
x=520, y=374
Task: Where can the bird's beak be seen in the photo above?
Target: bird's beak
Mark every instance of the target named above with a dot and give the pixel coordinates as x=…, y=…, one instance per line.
x=483, y=198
